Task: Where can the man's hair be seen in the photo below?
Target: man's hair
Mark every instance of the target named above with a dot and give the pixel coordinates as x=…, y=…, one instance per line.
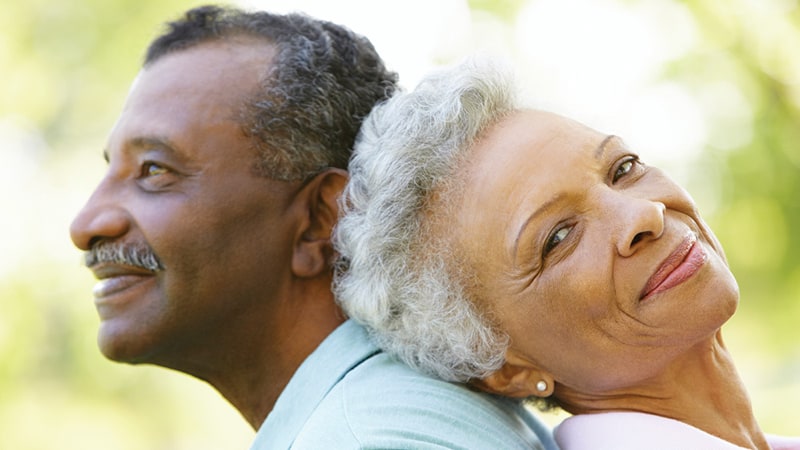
x=397, y=272
x=322, y=82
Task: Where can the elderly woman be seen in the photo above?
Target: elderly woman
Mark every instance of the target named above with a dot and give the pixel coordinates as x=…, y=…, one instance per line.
x=534, y=257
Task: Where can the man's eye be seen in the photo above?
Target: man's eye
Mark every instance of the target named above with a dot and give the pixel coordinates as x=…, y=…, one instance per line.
x=556, y=238
x=625, y=168
x=151, y=169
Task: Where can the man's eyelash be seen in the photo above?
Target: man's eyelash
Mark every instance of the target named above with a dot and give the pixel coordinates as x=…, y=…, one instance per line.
x=151, y=168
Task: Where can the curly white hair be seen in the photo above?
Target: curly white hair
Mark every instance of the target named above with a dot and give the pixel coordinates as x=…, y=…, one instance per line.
x=396, y=272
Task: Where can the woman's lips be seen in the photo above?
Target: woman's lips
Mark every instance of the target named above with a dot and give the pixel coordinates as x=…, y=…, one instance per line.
x=679, y=266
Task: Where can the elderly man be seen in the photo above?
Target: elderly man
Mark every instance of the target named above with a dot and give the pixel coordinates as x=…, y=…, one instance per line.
x=209, y=235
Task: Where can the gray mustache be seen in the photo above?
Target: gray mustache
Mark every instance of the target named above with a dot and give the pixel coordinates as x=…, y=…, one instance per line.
x=136, y=255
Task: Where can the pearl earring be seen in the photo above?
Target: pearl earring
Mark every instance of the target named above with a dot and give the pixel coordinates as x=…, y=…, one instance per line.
x=541, y=386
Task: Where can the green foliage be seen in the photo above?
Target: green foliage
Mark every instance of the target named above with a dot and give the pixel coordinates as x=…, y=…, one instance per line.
x=505, y=9
x=753, y=47
x=69, y=61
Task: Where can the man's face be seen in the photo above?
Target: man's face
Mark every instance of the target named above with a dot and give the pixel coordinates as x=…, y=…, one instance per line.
x=180, y=182
x=598, y=267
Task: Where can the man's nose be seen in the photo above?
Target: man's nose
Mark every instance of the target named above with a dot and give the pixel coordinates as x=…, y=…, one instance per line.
x=102, y=217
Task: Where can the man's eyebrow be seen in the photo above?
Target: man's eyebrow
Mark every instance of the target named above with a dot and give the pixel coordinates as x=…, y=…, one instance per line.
x=546, y=206
x=147, y=142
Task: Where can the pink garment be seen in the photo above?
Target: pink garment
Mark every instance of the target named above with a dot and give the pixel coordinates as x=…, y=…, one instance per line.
x=635, y=431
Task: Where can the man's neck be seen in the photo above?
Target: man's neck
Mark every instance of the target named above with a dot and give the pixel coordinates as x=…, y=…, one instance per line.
x=251, y=363
x=254, y=389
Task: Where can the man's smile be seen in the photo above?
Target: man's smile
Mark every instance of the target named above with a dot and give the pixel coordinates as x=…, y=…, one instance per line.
x=115, y=279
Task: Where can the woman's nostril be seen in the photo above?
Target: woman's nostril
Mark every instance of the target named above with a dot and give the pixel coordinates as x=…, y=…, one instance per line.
x=637, y=238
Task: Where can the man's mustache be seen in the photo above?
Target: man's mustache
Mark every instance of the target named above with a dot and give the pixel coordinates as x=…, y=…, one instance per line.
x=129, y=254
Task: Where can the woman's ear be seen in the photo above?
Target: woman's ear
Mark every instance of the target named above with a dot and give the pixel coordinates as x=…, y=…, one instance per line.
x=313, y=250
x=517, y=378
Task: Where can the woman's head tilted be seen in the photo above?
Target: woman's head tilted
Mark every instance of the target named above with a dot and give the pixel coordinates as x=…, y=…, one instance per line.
x=485, y=241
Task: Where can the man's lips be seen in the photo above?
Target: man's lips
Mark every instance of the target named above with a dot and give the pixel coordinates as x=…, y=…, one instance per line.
x=115, y=278
x=680, y=265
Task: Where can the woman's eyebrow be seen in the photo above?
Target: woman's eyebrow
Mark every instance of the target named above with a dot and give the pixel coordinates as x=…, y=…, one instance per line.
x=598, y=154
x=600, y=150
x=538, y=212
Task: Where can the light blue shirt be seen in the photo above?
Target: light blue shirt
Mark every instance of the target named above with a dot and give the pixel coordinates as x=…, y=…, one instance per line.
x=349, y=395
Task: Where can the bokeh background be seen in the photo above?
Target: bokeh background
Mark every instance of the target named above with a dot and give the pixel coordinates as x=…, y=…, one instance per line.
x=707, y=89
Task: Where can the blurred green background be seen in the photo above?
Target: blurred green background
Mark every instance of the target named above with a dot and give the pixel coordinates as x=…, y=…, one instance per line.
x=710, y=88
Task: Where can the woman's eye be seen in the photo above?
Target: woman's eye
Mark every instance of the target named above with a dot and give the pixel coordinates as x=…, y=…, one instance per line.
x=625, y=168
x=556, y=238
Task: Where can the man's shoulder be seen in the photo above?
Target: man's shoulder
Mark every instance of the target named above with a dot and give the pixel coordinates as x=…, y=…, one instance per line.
x=398, y=382
x=383, y=403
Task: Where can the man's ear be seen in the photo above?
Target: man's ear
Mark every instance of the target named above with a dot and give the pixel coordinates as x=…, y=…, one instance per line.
x=313, y=251
x=517, y=378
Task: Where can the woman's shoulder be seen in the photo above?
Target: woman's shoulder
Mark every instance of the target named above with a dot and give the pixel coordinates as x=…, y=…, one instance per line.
x=633, y=430
x=783, y=442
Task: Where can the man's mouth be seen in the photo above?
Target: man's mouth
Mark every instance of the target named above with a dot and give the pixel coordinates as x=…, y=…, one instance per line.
x=115, y=278
x=111, y=286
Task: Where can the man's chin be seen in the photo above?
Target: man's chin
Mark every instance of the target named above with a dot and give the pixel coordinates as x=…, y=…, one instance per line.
x=123, y=347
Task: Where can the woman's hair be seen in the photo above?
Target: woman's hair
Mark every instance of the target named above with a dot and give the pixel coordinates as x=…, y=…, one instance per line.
x=397, y=273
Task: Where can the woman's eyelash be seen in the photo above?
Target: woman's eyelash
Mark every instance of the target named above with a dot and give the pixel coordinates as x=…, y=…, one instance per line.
x=561, y=233
x=556, y=238
x=625, y=167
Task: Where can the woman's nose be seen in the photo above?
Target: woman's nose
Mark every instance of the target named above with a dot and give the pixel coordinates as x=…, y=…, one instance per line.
x=639, y=220
x=101, y=218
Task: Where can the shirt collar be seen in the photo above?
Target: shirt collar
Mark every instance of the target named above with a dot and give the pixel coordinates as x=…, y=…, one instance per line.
x=345, y=348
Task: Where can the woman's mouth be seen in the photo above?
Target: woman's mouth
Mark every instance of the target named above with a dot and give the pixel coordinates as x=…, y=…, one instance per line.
x=679, y=266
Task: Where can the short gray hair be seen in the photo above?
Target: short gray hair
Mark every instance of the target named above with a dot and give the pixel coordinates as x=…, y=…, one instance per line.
x=314, y=93
x=395, y=273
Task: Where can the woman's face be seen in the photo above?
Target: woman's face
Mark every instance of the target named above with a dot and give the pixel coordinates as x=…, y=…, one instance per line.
x=597, y=266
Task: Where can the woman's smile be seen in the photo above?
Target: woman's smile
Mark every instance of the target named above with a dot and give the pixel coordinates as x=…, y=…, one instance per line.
x=678, y=267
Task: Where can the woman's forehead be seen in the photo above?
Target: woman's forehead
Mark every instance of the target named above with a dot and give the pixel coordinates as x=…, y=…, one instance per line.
x=527, y=135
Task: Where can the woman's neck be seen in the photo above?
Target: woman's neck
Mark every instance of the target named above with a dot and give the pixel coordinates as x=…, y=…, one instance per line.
x=702, y=389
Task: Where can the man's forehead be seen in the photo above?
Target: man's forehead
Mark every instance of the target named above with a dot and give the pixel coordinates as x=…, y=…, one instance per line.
x=191, y=92
x=135, y=82
x=219, y=71
x=232, y=51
